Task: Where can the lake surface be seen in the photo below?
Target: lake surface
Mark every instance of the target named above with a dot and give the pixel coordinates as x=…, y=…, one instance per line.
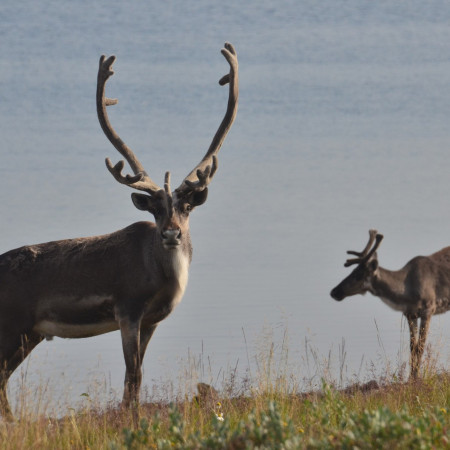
x=343, y=125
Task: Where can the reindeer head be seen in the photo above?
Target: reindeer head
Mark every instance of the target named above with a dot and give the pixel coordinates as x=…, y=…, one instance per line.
x=171, y=210
x=358, y=281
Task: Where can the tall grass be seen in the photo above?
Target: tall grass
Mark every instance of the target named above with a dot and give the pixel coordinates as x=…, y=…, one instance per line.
x=266, y=407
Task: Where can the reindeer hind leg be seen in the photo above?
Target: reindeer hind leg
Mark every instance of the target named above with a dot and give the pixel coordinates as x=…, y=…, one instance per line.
x=12, y=355
x=5, y=409
x=423, y=333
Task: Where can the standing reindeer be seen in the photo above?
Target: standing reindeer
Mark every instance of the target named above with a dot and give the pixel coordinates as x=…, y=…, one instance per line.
x=419, y=290
x=129, y=280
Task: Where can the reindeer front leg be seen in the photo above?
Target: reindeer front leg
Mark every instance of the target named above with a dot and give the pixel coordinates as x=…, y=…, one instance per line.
x=146, y=333
x=413, y=345
x=130, y=332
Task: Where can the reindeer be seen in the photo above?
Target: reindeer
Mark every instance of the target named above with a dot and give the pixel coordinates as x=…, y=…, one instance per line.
x=129, y=280
x=419, y=290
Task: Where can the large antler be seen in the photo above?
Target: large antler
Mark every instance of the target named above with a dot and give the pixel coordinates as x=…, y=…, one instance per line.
x=140, y=180
x=367, y=253
x=199, y=178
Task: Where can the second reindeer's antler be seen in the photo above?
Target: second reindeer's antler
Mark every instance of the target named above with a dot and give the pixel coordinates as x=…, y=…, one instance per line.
x=368, y=251
x=140, y=180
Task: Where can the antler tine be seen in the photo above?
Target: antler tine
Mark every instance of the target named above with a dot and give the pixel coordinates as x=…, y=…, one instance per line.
x=365, y=254
x=168, y=197
x=372, y=235
x=140, y=180
x=378, y=238
x=199, y=178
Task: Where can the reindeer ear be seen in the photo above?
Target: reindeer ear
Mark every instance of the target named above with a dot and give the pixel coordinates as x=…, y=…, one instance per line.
x=373, y=264
x=142, y=201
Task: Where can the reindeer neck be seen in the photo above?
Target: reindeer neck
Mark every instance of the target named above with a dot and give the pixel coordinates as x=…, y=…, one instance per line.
x=176, y=262
x=390, y=287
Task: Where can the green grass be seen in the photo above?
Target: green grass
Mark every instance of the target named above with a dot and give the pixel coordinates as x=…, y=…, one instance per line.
x=266, y=409
x=393, y=415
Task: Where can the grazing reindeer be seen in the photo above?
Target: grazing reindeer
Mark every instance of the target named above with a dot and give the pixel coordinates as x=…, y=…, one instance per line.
x=419, y=290
x=129, y=280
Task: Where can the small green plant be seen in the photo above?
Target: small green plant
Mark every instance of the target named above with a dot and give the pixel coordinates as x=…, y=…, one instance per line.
x=265, y=430
x=337, y=429
x=383, y=428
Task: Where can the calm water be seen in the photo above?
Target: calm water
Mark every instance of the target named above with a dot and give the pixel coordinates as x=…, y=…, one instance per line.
x=343, y=125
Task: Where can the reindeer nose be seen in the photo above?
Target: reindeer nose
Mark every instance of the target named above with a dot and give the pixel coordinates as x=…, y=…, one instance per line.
x=172, y=234
x=336, y=294
x=171, y=237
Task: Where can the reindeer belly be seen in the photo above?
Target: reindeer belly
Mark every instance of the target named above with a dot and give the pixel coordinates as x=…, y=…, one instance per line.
x=442, y=305
x=76, y=317
x=49, y=329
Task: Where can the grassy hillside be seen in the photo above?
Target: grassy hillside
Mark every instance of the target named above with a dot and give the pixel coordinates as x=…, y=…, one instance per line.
x=389, y=414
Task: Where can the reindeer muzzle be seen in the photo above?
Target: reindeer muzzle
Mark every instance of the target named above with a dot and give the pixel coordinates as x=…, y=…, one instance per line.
x=171, y=239
x=337, y=295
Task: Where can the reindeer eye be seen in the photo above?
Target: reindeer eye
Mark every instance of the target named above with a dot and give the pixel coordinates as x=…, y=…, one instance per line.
x=188, y=208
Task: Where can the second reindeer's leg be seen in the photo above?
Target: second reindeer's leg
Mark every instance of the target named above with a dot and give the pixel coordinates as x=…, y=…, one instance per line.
x=413, y=344
x=424, y=327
